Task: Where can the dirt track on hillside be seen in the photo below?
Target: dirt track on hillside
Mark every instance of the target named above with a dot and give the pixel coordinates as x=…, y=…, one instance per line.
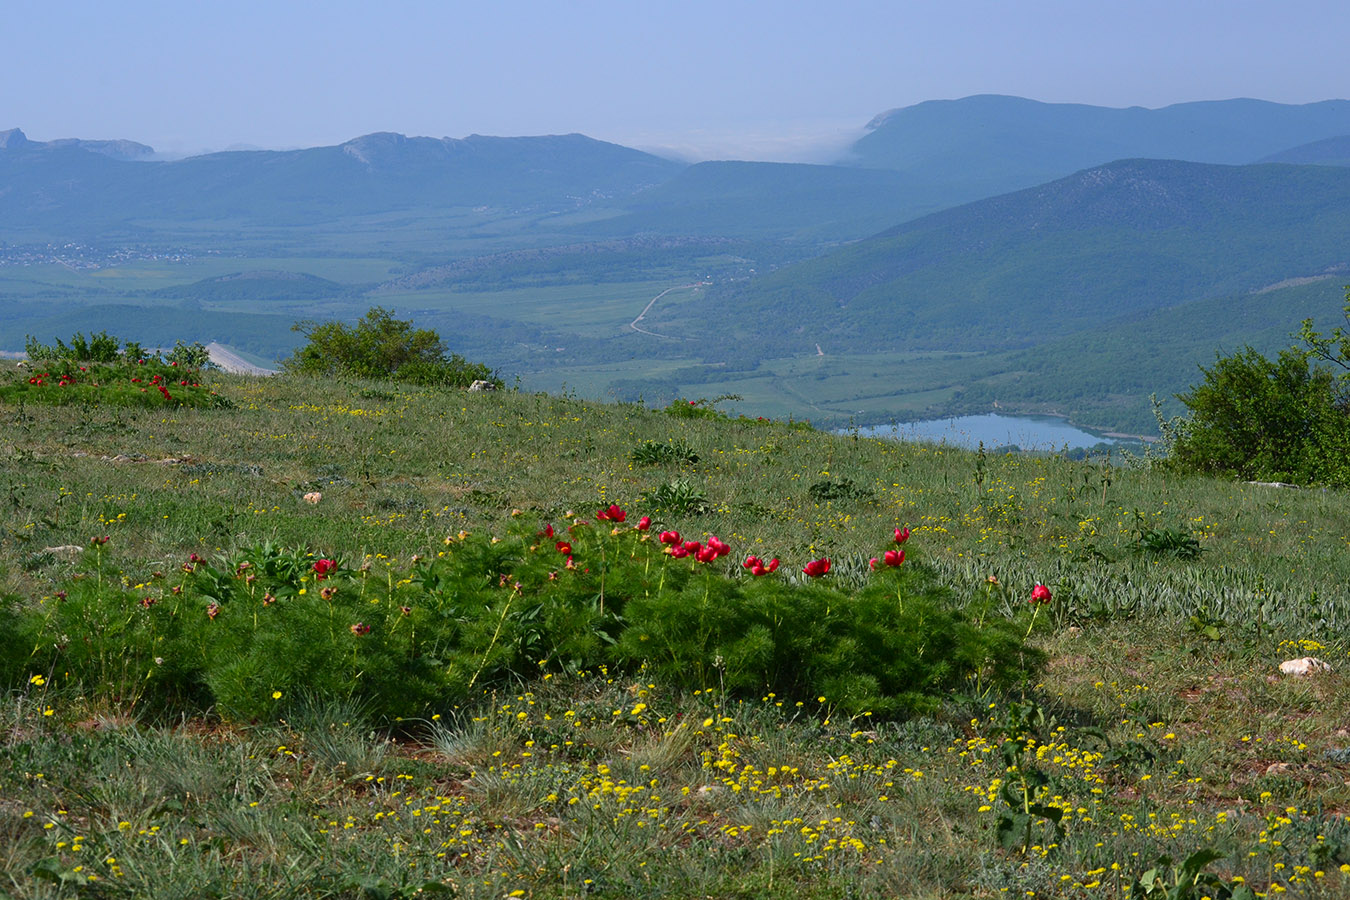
x=229, y=361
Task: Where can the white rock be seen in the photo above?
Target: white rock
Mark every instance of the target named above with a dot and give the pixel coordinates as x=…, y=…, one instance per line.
x=1301, y=668
x=482, y=386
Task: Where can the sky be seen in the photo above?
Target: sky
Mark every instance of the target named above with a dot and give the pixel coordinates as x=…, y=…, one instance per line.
x=697, y=79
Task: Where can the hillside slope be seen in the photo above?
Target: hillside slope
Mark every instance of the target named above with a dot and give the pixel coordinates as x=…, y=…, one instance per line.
x=1012, y=271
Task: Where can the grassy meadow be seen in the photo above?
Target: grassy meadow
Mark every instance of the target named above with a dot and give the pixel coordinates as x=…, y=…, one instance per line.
x=1154, y=749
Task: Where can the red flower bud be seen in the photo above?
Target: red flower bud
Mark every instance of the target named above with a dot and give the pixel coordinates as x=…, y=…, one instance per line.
x=901, y=535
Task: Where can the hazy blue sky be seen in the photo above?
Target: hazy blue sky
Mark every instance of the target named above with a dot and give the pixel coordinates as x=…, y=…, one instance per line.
x=709, y=77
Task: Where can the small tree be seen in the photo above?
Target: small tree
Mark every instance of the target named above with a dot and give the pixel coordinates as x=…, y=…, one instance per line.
x=1256, y=418
x=380, y=346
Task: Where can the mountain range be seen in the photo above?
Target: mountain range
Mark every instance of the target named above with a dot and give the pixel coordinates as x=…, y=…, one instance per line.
x=989, y=227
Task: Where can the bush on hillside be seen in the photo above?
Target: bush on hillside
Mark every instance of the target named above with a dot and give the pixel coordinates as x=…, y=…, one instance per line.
x=1258, y=419
x=245, y=632
x=380, y=346
x=1286, y=419
x=100, y=370
x=99, y=347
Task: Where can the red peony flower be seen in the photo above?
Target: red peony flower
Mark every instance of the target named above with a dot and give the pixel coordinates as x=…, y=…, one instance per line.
x=893, y=557
x=901, y=535
x=817, y=567
x=323, y=568
x=872, y=564
x=613, y=514
x=706, y=554
x=670, y=537
x=564, y=548
x=678, y=551
x=644, y=523
x=718, y=545
x=1040, y=594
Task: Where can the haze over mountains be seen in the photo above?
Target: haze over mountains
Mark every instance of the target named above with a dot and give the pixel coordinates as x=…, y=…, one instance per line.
x=982, y=227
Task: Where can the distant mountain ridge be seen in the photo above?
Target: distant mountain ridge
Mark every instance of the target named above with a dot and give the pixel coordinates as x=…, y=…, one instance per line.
x=914, y=160
x=14, y=139
x=991, y=144
x=1333, y=151
x=77, y=186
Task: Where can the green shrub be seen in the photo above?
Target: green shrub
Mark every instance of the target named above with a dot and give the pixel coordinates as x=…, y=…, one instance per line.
x=153, y=383
x=255, y=631
x=1272, y=420
x=380, y=346
x=97, y=348
x=1260, y=419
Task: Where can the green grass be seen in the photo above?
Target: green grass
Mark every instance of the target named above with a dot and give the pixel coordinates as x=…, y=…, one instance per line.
x=1166, y=726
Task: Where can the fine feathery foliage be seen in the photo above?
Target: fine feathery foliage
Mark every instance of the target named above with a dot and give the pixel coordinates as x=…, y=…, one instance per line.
x=380, y=346
x=101, y=370
x=241, y=632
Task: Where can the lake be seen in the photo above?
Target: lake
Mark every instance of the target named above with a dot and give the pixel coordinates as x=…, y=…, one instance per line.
x=1027, y=432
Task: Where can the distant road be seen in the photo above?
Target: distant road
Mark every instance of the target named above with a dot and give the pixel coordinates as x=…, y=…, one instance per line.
x=229, y=361
x=652, y=302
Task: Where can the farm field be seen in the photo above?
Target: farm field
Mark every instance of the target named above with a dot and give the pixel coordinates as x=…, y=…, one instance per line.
x=1153, y=740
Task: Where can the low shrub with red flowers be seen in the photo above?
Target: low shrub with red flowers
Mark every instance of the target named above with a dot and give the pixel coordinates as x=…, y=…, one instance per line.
x=410, y=638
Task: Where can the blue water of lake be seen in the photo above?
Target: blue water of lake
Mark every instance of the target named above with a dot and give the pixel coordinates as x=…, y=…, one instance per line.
x=1027, y=432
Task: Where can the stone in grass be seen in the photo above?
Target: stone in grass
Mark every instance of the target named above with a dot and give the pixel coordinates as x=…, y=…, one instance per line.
x=482, y=386
x=313, y=497
x=1302, y=668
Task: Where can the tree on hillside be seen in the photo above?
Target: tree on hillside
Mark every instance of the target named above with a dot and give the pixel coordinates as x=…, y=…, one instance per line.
x=380, y=346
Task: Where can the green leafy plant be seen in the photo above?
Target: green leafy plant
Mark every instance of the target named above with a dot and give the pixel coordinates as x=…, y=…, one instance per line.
x=827, y=490
x=1188, y=881
x=1025, y=792
x=678, y=497
x=652, y=453
x=1169, y=542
